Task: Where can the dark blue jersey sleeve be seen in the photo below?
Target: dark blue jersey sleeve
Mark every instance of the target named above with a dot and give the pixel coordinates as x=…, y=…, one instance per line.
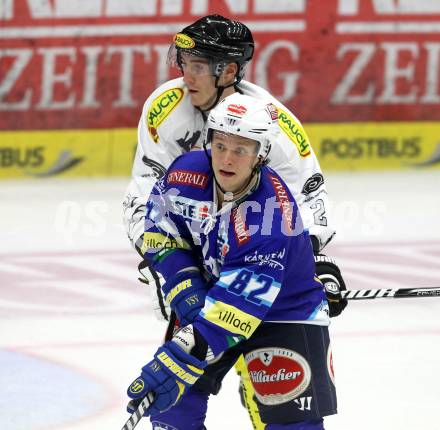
x=167, y=243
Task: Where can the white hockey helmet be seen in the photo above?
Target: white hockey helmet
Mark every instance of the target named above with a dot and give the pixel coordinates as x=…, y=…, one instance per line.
x=247, y=117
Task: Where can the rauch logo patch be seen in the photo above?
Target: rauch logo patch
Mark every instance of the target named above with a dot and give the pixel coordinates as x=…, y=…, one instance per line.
x=160, y=108
x=183, y=41
x=294, y=132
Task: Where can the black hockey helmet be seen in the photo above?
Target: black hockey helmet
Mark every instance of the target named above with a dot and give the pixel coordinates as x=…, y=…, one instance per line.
x=219, y=39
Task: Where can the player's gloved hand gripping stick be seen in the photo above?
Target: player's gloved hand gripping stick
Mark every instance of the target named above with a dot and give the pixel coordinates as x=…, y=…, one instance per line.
x=163, y=381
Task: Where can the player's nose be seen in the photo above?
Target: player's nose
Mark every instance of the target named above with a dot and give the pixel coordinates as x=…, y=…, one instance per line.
x=228, y=158
x=188, y=77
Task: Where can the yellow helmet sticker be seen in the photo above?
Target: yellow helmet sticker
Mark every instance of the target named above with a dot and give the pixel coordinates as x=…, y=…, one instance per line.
x=294, y=132
x=160, y=108
x=183, y=41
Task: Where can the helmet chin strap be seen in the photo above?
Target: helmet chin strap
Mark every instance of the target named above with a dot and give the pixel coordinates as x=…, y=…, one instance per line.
x=220, y=90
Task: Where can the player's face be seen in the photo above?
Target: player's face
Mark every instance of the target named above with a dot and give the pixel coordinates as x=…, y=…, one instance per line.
x=199, y=80
x=233, y=158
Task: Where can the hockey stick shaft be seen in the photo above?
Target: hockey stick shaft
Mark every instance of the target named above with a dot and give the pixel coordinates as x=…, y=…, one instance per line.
x=394, y=293
x=136, y=416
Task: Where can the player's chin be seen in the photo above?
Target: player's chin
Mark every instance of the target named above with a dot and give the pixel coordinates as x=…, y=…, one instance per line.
x=229, y=187
x=224, y=183
x=201, y=101
x=197, y=100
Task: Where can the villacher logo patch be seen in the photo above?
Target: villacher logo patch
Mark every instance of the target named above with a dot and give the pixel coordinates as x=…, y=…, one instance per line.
x=278, y=375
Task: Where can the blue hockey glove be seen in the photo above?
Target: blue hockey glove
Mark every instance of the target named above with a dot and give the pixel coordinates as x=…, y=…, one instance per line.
x=330, y=276
x=168, y=376
x=185, y=293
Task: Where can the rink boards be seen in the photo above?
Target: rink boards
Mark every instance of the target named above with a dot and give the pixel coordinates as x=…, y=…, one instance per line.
x=110, y=152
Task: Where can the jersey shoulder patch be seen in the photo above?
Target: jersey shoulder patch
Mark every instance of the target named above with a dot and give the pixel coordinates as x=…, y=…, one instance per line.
x=160, y=108
x=294, y=131
x=288, y=123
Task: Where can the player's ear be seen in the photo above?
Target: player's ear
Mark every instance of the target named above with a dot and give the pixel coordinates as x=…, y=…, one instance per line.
x=256, y=162
x=229, y=73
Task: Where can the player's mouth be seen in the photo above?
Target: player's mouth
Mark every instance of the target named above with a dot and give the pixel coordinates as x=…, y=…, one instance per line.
x=226, y=174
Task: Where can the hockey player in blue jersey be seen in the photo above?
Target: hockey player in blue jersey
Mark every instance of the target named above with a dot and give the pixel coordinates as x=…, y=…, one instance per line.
x=212, y=55
x=225, y=233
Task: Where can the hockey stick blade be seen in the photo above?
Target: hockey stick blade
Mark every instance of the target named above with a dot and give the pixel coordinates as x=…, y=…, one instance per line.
x=136, y=416
x=394, y=293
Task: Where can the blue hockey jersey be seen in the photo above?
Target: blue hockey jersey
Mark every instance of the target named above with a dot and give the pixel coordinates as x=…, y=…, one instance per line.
x=256, y=255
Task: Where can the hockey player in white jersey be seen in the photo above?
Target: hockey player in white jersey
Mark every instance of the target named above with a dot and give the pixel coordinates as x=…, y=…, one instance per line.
x=212, y=55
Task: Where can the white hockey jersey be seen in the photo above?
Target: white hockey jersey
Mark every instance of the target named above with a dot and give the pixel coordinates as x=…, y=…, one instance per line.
x=170, y=126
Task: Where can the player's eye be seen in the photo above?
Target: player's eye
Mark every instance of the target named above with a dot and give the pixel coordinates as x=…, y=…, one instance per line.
x=219, y=146
x=240, y=152
x=200, y=69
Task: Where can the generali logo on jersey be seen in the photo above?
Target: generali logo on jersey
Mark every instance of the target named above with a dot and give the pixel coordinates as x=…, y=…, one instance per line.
x=285, y=204
x=186, y=177
x=278, y=375
x=240, y=229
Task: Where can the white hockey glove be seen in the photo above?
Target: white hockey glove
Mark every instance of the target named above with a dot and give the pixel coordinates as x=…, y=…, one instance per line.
x=154, y=281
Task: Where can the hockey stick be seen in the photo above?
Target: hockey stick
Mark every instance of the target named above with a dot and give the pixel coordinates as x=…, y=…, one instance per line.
x=395, y=293
x=136, y=416
x=171, y=326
